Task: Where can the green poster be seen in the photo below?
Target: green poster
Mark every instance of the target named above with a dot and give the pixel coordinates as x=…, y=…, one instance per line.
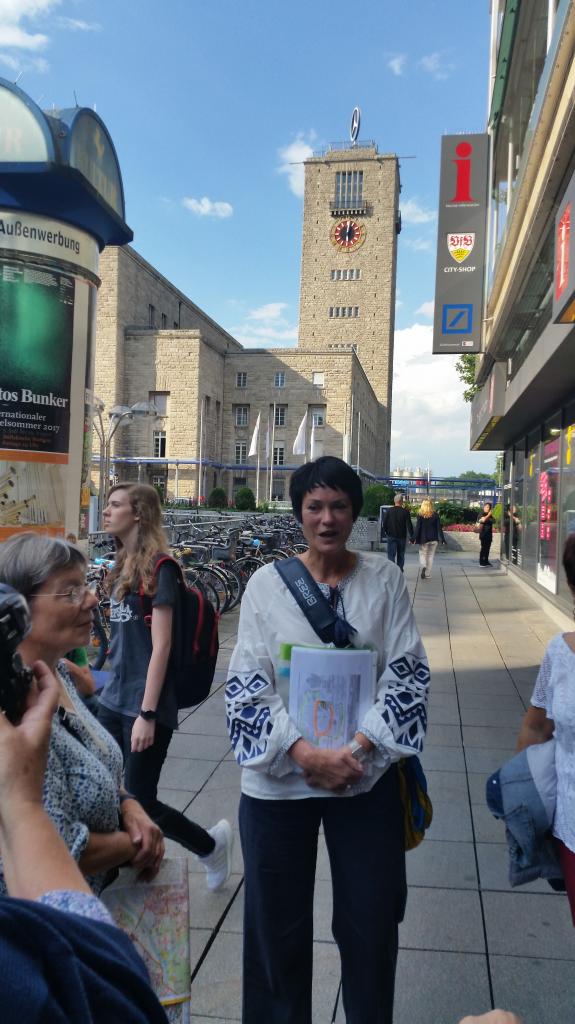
x=36, y=338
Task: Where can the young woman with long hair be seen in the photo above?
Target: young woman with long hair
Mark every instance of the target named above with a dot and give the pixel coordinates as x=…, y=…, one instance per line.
x=428, y=533
x=138, y=705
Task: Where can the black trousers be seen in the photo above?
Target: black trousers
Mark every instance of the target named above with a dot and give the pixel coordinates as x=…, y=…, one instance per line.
x=364, y=837
x=485, y=545
x=141, y=776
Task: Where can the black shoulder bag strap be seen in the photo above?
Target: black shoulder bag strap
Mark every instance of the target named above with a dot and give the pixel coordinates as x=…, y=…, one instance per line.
x=329, y=626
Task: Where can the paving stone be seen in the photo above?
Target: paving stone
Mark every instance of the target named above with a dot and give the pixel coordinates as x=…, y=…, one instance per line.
x=217, y=987
x=528, y=924
x=446, y=759
x=485, y=716
x=444, y=865
x=487, y=828
x=207, y=908
x=199, y=938
x=198, y=745
x=443, y=736
x=443, y=919
x=540, y=991
x=439, y=988
x=205, y=724
x=438, y=715
x=478, y=699
x=477, y=782
x=451, y=821
x=186, y=773
x=490, y=736
x=487, y=759
x=446, y=786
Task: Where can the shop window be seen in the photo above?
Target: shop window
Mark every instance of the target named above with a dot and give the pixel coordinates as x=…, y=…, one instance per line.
x=531, y=506
x=567, y=508
x=517, y=516
x=548, y=501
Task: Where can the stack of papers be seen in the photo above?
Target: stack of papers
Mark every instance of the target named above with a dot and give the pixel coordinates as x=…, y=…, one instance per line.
x=330, y=692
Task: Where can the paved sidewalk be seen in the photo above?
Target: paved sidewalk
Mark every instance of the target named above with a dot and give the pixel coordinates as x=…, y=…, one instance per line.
x=468, y=941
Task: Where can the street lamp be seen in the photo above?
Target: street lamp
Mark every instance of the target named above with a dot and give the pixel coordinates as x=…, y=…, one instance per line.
x=118, y=414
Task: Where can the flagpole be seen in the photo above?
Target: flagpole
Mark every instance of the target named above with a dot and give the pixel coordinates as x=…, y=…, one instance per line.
x=258, y=474
x=358, y=437
x=272, y=452
x=268, y=454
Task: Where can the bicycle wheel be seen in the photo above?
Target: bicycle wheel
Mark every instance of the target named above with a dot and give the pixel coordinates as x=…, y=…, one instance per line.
x=247, y=566
x=193, y=579
x=219, y=581
x=234, y=584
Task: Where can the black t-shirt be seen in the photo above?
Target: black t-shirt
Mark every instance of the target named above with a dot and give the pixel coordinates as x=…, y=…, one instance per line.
x=131, y=650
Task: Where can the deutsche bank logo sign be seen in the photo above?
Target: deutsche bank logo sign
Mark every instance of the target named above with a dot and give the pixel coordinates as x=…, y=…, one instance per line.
x=457, y=319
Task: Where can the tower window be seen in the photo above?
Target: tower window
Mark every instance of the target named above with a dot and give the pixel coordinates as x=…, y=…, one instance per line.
x=348, y=274
x=348, y=188
x=343, y=311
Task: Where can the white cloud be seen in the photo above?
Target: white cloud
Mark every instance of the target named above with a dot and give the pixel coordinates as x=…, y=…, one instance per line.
x=396, y=63
x=436, y=66
x=205, y=207
x=413, y=213
x=267, y=327
x=419, y=244
x=426, y=309
x=430, y=420
x=16, y=35
x=76, y=25
x=291, y=161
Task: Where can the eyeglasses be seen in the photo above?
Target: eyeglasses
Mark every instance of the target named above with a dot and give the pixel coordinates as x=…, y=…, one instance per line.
x=75, y=595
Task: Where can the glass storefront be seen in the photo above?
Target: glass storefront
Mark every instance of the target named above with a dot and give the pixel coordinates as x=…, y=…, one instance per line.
x=539, y=503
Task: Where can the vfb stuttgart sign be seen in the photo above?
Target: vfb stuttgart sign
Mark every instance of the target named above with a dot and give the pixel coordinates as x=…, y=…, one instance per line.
x=460, y=246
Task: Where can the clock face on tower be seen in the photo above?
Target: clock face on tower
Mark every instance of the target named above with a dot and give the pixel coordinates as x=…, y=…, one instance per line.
x=347, y=235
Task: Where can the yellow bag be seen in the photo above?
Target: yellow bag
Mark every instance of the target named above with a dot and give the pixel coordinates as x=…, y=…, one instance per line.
x=417, y=806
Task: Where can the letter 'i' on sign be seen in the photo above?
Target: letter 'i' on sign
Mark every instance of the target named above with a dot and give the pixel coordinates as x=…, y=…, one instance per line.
x=463, y=174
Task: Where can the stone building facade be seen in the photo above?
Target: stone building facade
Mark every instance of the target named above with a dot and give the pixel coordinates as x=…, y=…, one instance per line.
x=153, y=343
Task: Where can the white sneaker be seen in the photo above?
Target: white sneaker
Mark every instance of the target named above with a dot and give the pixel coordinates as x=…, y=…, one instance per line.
x=218, y=863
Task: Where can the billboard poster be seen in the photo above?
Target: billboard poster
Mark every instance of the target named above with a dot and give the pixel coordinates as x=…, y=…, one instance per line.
x=461, y=244
x=36, y=343
x=32, y=496
x=564, y=278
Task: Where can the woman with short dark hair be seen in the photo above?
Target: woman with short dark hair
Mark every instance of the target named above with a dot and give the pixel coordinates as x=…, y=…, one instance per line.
x=291, y=787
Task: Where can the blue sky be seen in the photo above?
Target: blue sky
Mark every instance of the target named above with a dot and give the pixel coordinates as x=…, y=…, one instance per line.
x=212, y=106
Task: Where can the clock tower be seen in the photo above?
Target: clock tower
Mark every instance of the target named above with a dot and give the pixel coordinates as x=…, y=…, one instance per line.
x=349, y=249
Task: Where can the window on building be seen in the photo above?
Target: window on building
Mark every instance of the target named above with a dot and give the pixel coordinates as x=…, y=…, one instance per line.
x=278, y=490
x=242, y=415
x=159, y=444
x=159, y=482
x=318, y=417
x=240, y=481
x=164, y=322
x=318, y=378
x=241, y=453
x=348, y=274
x=280, y=417
x=151, y=316
x=280, y=379
x=241, y=379
x=279, y=455
x=343, y=311
x=160, y=400
x=348, y=188
x=175, y=325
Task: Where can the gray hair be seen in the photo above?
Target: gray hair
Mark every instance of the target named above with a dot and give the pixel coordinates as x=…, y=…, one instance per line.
x=28, y=560
x=397, y=499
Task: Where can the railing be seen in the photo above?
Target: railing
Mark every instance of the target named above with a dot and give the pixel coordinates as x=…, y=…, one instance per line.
x=358, y=207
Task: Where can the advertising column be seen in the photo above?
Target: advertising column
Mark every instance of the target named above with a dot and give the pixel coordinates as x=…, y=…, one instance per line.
x=48, y=287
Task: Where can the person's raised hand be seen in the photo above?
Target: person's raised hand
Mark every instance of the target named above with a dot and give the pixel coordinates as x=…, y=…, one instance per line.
x=24, y=747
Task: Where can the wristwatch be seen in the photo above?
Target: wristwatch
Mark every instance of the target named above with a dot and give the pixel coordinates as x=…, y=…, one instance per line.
x=358, y=751
x=148, y=716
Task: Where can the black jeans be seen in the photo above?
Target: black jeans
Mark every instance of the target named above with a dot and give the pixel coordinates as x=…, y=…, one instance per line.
x=485, y=545
x=141, y=776
x=396, y=550
x=365, y=842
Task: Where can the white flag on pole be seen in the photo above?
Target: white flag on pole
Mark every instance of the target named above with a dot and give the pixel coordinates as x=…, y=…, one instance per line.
x=255, y=438
x=299, y=443
x=312, y=441
x=268, y=440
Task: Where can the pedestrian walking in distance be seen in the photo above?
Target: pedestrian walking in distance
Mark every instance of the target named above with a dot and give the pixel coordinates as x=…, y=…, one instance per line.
x=485, y=534
x=397, y=526
x=428, y=533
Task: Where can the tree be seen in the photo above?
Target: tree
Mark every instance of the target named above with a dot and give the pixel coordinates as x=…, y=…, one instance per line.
x=374, y=496
x=217, y=498
x=465, y=367
x=245, y=499
x=471, y=474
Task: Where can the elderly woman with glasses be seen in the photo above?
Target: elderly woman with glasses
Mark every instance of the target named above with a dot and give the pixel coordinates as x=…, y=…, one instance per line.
x=101, y=824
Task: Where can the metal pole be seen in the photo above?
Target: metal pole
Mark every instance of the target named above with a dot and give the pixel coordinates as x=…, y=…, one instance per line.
x=200, y=453
x=177, y=482
x=272, y=452
x=550, y=21
x=358, y=437
x=258, y=470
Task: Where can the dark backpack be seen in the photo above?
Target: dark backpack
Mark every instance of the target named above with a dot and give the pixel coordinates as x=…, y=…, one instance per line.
x=195, y=641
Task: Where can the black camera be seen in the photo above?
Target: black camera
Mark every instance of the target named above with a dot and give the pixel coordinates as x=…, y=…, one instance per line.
x=15, y=676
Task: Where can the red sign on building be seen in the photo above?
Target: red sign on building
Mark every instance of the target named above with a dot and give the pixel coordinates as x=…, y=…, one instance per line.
x=562, y=240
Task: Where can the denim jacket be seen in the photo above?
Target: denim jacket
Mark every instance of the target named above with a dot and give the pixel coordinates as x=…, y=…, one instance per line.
x=523, y=794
